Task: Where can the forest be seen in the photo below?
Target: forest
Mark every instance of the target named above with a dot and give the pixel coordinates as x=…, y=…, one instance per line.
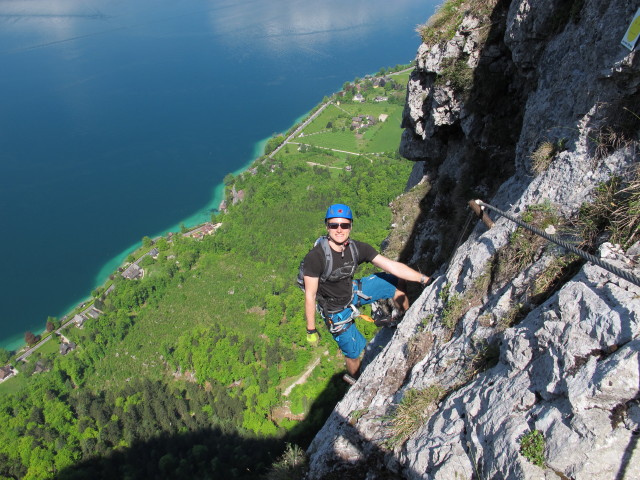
x=183, y=374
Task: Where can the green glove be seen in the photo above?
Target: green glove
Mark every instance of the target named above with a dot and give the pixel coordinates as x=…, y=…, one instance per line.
x=313, y=337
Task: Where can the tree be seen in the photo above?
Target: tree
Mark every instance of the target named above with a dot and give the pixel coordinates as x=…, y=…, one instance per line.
x=97, y=292
x=50, y=327
x=162, y=244
x=99, y=304
x=5, y=355
x=30, y=338
x=273, y=143
x=147, y=242
x=228, y=179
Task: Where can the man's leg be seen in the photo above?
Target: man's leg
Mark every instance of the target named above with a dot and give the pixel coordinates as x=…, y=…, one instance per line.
x=353, y=366
x=352, y=343
x=400, y=296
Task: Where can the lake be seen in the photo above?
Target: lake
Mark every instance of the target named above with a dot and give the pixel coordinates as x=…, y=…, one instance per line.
x=119, y=119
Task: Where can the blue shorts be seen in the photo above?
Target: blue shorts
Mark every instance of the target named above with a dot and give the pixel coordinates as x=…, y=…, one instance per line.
x=351, y=341
x=376, y=286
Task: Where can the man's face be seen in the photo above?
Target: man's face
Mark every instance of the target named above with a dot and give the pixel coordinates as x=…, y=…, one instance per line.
x=336, y=230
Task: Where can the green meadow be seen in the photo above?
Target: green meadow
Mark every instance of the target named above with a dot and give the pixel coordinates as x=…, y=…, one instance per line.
x=333, y=128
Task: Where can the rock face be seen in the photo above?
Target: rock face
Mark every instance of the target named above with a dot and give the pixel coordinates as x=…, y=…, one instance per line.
x=506, y=359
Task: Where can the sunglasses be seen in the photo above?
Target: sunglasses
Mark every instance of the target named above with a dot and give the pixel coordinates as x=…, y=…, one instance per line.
x=344, y=226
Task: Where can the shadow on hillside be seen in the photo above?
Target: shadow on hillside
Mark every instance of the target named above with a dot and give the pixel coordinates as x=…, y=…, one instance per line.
x=302, y=434
x=372, y=467
x=218, y=453
x=374, y=459
x=213, y=453
x=207, y=453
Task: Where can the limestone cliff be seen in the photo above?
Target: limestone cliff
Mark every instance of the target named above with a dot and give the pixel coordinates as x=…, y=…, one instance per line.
x=506, y=341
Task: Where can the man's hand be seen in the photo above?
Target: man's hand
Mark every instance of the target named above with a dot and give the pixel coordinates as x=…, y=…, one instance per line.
x=313, y=337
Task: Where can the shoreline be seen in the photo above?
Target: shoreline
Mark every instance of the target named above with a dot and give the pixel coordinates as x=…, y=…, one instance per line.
x=16, y=343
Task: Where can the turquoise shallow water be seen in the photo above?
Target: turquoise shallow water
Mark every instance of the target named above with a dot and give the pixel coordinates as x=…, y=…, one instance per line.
x=120, y=119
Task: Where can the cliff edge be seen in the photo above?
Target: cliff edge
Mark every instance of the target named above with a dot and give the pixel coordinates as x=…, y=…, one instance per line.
x=518, y=361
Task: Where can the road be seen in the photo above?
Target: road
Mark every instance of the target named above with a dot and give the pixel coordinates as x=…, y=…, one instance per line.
x=300, y=128
x=303, y=377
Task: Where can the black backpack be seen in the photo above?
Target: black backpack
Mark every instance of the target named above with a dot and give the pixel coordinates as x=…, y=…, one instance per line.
x=328, y=261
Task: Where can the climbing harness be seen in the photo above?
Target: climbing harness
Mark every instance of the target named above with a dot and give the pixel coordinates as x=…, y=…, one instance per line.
x=338, y=321
x=478, y=207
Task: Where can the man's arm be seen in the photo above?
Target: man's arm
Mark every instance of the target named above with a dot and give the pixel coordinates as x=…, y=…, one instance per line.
x=310, y=291
x=400, y=270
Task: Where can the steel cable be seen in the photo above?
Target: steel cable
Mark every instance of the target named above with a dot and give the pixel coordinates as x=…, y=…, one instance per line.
x=581, y=253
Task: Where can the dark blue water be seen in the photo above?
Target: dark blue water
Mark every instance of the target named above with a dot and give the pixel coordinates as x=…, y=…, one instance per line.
x=120, y=118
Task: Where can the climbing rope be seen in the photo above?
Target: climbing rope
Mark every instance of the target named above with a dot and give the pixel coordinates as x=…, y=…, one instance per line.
x=479, y=205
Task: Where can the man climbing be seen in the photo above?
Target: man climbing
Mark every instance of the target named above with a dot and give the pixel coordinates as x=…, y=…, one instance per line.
x=336, y=292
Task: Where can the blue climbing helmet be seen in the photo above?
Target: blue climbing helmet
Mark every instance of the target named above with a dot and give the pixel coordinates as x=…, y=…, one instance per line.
x=338, y=210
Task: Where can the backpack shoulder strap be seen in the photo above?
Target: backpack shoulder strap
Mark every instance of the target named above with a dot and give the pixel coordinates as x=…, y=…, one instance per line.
x=354, y=252
x=328, y=258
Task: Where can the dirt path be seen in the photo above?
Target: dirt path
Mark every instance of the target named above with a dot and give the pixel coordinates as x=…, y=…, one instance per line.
x=321, y=165
x=303, y=377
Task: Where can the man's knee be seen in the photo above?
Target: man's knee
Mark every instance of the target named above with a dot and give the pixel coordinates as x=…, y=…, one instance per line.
x=400, y=297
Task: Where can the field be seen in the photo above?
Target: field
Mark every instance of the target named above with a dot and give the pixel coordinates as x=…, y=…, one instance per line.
x=334, y=128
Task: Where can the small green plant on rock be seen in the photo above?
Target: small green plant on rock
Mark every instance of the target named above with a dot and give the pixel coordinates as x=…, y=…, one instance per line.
x=424, y=323
x=554, y=274
x=510, y=317
x=457, y=74
x=457, y=305
x=532, y=447
x=442, y=25
x=414, y=410
x=291, y=464
x=542, y=156
x=524, y=245
x=615, y=209
x=357, y=414
x=453, y=311
x=486, y=356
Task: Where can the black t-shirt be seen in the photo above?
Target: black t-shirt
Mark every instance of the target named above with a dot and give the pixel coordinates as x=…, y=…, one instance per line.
x=336, y=295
